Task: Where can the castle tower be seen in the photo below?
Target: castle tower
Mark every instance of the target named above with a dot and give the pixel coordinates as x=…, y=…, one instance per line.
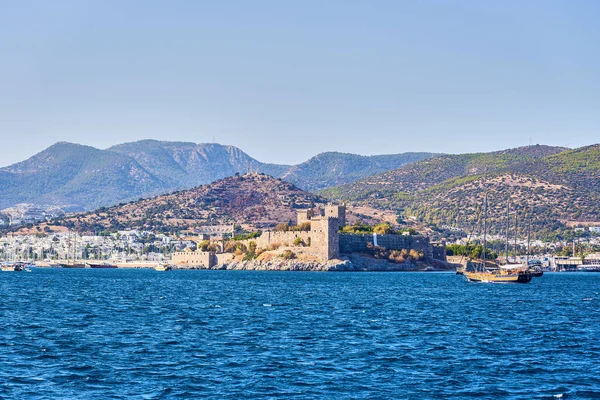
x=339, y=212
x=304, y=216
x=325, y=238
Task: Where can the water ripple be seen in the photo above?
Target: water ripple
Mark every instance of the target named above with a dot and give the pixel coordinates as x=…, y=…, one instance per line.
x=112, y=334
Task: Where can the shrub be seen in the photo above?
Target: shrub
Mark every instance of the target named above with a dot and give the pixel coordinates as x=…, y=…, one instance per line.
x=232, y=247
x=282, y=227
x=397, y=256
x=214, y=247
x=383, y=229
x=274, y=246
x=415, y=255
x=229, y=247
x=241, y=247
x=358, y=227
x=299, y=242
x=305, y=227
x=251, y=235
x=288, y=255
x=252, y=247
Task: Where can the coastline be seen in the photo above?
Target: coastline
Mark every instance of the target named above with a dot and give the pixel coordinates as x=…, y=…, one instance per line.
x=351, y=263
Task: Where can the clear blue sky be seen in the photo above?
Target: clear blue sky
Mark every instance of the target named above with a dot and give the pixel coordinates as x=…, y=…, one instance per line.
x=285, y=80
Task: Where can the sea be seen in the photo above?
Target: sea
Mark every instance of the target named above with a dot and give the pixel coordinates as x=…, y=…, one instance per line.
x=144, y=334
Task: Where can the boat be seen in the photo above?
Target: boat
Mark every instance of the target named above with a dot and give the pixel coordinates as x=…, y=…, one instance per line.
x=101, y=265
x=490, y=272
x=535, y=267
x=588, y=268
x=72, y=265
x=163, y=267
x=485, y=271
x=13, y=267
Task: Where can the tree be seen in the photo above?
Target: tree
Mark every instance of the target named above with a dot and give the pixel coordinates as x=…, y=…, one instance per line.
x=282, y=227
x=383, y=229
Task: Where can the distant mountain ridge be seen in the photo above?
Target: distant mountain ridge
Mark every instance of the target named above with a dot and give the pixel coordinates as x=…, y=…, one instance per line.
x=557, y=186
x=77, y=175
x=333, y=168
x=87, y=178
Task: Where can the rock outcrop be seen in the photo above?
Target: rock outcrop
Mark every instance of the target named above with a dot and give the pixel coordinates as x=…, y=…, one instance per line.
x=354, y=262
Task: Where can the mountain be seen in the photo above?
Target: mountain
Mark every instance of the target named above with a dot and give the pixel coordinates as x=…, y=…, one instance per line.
x=558, y=186
x=85, y=178
x=250, y=200
x=332, y=169
x=185, y=165
x=72, y=174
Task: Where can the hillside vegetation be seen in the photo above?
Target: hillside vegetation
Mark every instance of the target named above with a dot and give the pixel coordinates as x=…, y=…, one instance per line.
x=253, y=201
x=555, y=186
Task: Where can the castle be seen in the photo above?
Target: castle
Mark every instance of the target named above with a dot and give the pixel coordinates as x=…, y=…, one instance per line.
x=323, y=240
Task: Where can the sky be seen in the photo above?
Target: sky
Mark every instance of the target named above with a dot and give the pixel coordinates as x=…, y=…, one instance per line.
x=286, y=80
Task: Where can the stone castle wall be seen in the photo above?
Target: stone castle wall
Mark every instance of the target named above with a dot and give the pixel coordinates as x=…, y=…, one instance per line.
x=325, y=240
x=350, y=243
x=283, y=238
x=439, y=251
x=204, y=259
x=200, y=259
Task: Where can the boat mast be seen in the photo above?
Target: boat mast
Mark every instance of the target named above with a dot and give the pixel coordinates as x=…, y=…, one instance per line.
x=516, y=233
x=507, y=228
x=528, y=240
x=485, y=205
x=74, y=247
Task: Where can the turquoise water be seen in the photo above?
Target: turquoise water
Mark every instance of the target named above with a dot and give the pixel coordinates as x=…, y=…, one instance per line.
x=229, y=334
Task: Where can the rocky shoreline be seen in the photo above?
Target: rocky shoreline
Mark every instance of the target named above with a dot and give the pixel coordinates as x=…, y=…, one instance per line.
x=351, y=263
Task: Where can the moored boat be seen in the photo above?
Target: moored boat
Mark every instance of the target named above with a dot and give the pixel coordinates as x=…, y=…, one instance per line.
x=13, y=267
x=482, y=270
x=72, y=265
x=488, y=272
x=163, y=267
x=101, y=265
x=588, y=268
x=535, y=268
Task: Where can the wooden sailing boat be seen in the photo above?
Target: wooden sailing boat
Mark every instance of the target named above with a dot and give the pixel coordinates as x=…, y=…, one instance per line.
x=74, y=263
x=488, y=271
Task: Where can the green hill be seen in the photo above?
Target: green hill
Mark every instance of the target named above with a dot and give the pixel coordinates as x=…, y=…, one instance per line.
x=332, y=169
x=559, y=187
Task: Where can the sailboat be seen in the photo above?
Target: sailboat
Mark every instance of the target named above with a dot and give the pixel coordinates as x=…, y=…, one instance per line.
x=74, y=263
x=533, y=266
x=482, y=270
